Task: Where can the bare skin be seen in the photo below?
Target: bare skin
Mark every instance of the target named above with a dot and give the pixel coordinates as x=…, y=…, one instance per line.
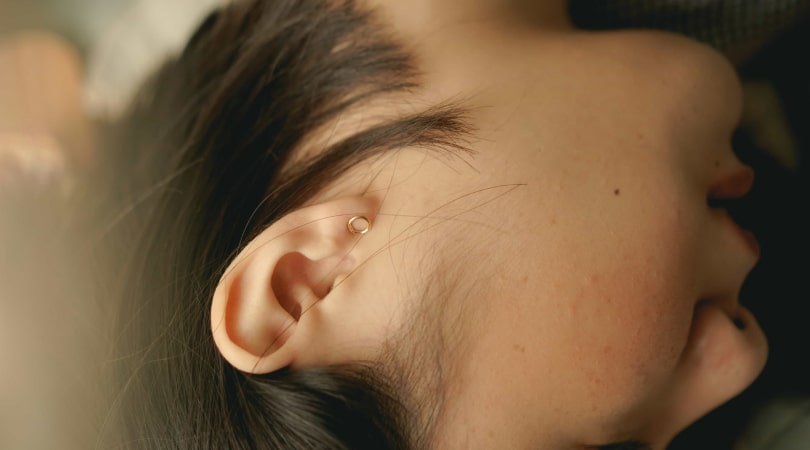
x=600, y=289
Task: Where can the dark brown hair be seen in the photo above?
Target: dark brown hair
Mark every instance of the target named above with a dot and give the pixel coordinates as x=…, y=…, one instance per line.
x=203, y=163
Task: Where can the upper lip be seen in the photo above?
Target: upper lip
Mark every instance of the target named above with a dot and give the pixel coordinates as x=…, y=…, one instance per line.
x=733, y=185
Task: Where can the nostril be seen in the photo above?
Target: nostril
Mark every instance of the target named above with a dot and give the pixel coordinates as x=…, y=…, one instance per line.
x=738, y=323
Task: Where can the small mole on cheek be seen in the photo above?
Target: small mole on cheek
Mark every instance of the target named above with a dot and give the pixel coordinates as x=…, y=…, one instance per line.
x=616, y=191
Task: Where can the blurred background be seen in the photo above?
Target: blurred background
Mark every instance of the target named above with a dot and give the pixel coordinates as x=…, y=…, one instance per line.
x=68, y=67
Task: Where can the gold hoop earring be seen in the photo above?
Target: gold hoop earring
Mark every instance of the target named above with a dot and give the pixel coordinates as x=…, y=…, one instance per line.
x=359, y=225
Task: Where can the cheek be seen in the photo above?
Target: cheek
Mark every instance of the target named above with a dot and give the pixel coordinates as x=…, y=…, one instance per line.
x=607, y=311
x=632, y=331
x=620, y=354
x=629, y=310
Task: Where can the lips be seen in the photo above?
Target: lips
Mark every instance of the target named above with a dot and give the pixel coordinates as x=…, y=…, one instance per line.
x=745, y=236
x=733, y=185
x=751, y=240
x=729, y=188
x=729, y=303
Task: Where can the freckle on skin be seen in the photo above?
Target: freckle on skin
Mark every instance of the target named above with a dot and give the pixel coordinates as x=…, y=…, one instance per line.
x=616, y=191
x=519, y=348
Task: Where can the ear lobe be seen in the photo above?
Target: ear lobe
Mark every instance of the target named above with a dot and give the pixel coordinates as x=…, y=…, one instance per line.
x=278, y=277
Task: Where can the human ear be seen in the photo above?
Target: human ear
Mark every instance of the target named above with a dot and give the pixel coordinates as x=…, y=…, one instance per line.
x=281, y=276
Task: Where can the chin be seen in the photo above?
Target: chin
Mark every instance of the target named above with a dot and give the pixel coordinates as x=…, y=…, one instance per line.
x=723, y=356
